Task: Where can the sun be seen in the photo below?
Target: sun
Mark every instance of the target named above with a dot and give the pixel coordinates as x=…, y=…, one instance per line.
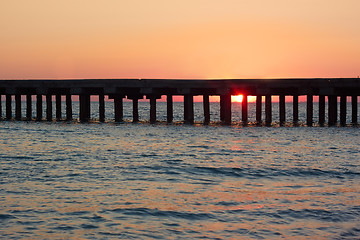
x=237, y=98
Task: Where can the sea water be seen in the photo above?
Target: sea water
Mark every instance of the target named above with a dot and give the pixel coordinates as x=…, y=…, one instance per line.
x=63, y=180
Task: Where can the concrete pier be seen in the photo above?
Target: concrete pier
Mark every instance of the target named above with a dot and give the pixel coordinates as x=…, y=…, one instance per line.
x=49, y=107
x=244, y=110
x=295, y=109
x=329, y=91
x=101, y=108
x=354, y=109
x=152, y=108
x=206, y=106
x=169, y=108
x=225, y=109
x=135, y=110
x=84, y=107
x=68, y=107
x=8, y=107
x=39, y=108
x=118, y=106
x=268, y=110
x=309, y=110
x=17, y=107
x=282, y=109
x=58, y=107
x=343, y=110
x=332, y=110
x=28, y=107
x=321, y=110
x=258, y=109
x=189, y=109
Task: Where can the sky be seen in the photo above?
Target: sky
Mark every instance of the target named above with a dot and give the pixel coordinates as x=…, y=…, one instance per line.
x=179, y=39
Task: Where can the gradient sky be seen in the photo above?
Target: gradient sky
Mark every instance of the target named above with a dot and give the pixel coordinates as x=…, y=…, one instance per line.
x=179, y=39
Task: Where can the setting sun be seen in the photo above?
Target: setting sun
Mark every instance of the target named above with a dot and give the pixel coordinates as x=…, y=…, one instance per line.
x=237, y=98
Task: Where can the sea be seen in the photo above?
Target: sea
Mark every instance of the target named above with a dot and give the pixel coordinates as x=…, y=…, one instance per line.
x=71, y=180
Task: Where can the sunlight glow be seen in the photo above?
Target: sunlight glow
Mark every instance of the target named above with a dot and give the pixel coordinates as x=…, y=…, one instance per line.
x=237, y=98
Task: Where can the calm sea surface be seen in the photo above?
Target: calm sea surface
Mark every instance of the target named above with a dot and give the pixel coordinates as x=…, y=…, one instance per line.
x=140, y=181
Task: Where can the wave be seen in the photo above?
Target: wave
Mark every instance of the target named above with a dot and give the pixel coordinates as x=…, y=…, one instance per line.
x=274, y=172
x=160, y=213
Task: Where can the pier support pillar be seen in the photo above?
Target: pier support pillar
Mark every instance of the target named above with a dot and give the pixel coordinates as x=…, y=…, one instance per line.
x=244, y=110
x=282, y=109
x=222, y=107
x=342, y=110
x=48, y=107
x=28, y=107
x=39, y=109
x=332, y=110
x=295, y=109
x=189, y=109
x=258, y=109
x=18, y=107
x=68, y=107
x=84, y=107
x=268, y=110
x=0, y=107
x=58, y=107
x=118, y=108
x=101, y=108
x=321, y=110
x=309, y=110
x=206, y=106
x=169, y=108
x=135, y=110
x=225, y=108
x=354, y=109
x=8, y=107
x=152, y=108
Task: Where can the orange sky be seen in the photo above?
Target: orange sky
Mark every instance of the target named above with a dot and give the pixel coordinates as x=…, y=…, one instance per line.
x=179, y=39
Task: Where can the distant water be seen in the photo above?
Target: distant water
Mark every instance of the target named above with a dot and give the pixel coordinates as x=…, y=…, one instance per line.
x=141, y=181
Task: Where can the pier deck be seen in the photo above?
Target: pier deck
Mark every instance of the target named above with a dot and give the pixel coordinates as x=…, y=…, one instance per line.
x=327, y=89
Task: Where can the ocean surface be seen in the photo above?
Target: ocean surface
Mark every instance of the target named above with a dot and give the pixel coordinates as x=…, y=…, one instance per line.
x=63, y=180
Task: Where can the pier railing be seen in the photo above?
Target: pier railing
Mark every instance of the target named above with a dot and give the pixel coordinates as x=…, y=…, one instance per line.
x=328, y=91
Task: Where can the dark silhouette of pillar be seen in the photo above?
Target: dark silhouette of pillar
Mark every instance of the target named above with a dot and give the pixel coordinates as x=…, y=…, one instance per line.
x=84, y=107
x=268, y=110
x=321, y=110
x=206, y=106
x=258, y=109
x=152, y=110
x=48, y=107
x=118, y=108
x=18, y=107
x=244, y=110
x=282, y=109
x=28, y=107
x=189, y=109
x=8, y=107
x=332, y=110
x=0, y=106
x=169, y=108
x=68, y=107
x=135, y=110
x=101, y=108
x=58, y=106
x=354, y=109
x=309, y=110
x=39, y=109
x=295, y=109
x=222, y=109
x=342, y=110
x=226, y=108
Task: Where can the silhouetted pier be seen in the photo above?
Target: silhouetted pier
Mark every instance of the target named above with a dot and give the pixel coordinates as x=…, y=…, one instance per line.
x=328, y=90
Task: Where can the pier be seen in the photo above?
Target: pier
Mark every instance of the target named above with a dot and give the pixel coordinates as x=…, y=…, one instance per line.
x=329, y=91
